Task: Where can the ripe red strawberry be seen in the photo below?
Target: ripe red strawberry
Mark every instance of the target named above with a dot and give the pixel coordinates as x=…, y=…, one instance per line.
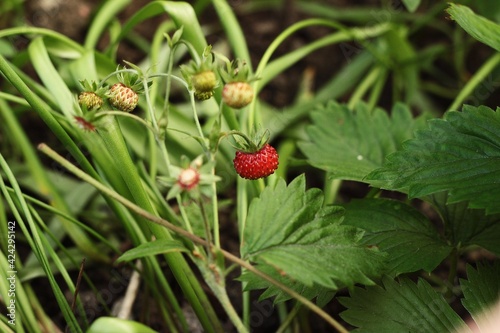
x=123, y=97
x=237, y=94
x=255, y=165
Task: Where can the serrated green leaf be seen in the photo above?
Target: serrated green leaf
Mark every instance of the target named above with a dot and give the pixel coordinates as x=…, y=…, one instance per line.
x=252, y=282
x=411, y=241
x=459, y=154
x=351, y=144
x=468, y=226
x=480, y=28
x=481, y=289
x=288, y=229
x=399, y=307
x=159, y=246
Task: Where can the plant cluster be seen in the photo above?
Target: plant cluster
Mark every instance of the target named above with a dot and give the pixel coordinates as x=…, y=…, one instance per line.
x=165, y=153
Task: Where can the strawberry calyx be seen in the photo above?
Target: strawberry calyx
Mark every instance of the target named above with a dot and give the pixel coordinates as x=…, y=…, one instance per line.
x=247, y=144
x=237, y=71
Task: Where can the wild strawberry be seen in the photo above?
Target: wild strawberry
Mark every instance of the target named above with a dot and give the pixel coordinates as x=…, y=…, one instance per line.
x=237, y=91
x=90, y=100
x=200, y=75
x=123, y=97
x=204, y=81
x=237, y=94
x=188, y=178
x=258, y=164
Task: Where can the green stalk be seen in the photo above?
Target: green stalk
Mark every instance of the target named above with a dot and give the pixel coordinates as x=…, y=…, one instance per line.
x=253, y=117
x=284, y=327
x=198, y=293
x=26, y=316
x=377, y=88
x=287, y=33
x=452, y=274
x=183, y=15
x=331, y=189
x=116, y=146
x=105, y=14
x=69, y=43
x=158, y=221
x=221, y=294
x=33, y=236
x=215, y=206
x=369, y=81
x=232, y=29
x=476, y=80
x=37, y=170
x=40, y=107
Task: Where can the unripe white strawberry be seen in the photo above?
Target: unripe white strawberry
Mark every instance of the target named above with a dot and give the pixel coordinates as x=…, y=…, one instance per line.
x=237, y=94
x=123, y=97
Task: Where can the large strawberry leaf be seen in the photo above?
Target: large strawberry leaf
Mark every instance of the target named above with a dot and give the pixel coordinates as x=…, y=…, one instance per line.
x=399, y=307
x=411, y=241
x=481, y=289
x=459, y=154
x=467, y=226
x=322, y=294
x=288, y=229
x=351, y=144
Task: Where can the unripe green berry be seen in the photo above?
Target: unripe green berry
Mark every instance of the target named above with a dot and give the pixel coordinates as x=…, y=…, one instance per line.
x=90, y=100
x=204, y=81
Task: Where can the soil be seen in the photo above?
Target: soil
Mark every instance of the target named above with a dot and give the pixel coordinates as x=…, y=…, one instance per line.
x=72, y=18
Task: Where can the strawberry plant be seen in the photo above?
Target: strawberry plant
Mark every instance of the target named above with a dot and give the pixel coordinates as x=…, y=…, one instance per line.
x=170, y=194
